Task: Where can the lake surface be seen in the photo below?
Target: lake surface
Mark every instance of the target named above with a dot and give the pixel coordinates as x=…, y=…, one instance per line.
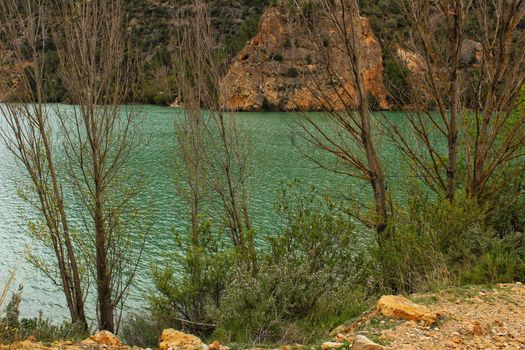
x=275, y=160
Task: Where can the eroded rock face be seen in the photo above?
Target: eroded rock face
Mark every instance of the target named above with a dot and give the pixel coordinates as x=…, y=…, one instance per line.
x=396, y=306
x=414, y=62
x=172, y=339
x=471, y=55
x=281, y=67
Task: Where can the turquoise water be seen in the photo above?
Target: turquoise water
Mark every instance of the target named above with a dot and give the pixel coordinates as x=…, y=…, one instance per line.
x=275, y=160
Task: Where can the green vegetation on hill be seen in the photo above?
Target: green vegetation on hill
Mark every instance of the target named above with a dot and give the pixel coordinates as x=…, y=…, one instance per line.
x=154, y=25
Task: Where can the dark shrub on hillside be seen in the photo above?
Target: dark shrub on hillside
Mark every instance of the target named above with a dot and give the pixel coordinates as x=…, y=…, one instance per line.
x=292, y=72
x=276, y=57
x=142, y=330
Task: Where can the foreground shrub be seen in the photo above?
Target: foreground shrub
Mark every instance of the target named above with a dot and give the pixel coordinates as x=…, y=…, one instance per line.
x=310, y=281
x=13, y=329
x=142, y=330
x=189, y=289
x=503, y=262
x=430, y=243
x=434, y=243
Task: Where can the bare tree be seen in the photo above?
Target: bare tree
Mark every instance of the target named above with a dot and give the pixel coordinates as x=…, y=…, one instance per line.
x=227, y=152
x=28, y=133
x=473, y=97
x=498, y=136
x=192, y=133
x=348, y=132
x=435, y=54
x=211, y=178
x=98, y=70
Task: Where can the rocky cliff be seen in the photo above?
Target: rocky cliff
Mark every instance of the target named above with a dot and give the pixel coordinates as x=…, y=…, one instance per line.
x=281, y=69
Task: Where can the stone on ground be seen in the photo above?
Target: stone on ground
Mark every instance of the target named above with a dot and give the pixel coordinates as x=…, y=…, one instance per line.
x=331, y=345
x=363, y=343
x=399, y=307
x=217, y=346
x=106, y=338
x=172, y=339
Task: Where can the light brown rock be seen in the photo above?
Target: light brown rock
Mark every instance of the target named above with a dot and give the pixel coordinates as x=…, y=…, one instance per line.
x=474, y=328
x=401, y=308
x=363, y=343
x=106, y=338
x=103, y=340
x=217, y=346
x=23, y=345
x=331, y=345
x=32, y=339
x=172, y=339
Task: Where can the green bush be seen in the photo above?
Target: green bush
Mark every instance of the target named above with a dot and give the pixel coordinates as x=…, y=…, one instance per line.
x=189, y=289
x=504, y=262
x=310, y=281
x=430, y=243
x=397, y=77
x=435, y=243
x=13, y=329
x=142, y=331
x=309, y=59
x=276, y=57
x=248, y=29
x=293, y=72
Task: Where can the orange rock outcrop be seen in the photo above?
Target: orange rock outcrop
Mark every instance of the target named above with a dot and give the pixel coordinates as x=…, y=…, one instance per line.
x=281, y=68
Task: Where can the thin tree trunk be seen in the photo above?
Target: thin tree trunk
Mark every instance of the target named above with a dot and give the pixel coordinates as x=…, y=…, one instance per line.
x=105, y=304
x=452, y=136
x=77, y=299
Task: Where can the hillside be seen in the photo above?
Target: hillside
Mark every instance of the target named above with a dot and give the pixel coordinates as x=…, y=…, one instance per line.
x=153, y=26
x=474, y=317
x=153, y=23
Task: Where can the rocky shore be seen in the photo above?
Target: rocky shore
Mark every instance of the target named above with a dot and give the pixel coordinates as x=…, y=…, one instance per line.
x=463, y=318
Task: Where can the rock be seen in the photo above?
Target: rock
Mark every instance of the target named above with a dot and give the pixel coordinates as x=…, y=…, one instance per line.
x=331, y=345
x=474, y=328
x=363, y=343
x=344, y=337
x=339, y=330
x=176, y=104
x=172, y=339
x=271, y=74
x=31, y=339
x=414, y=62
x=23, y=345
x=106, y=338
x=103, y=340
x=400, y=307
x=217, y=346
x=471, y=52
x=407, y=347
